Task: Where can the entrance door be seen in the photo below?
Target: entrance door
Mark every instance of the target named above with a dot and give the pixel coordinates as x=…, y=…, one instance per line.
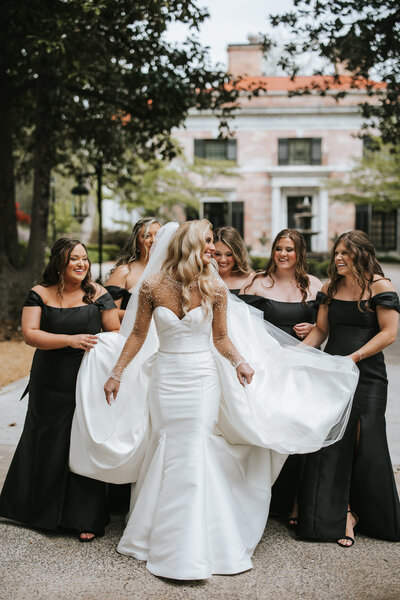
x=225, y=213
x=299, y=216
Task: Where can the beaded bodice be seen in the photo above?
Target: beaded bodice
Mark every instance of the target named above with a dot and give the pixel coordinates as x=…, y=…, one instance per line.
x=181, y=326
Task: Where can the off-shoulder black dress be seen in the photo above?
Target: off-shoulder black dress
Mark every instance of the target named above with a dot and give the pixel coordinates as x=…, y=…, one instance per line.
x=116, y=292
x=285, y=315
x=343, y=473
x=39, y=489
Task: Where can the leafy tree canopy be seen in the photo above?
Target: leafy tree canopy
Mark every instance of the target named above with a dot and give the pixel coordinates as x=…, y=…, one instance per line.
x=110, y=76
x=374, y=180
x=90, y=79
x=157, y=185
x=364, y=35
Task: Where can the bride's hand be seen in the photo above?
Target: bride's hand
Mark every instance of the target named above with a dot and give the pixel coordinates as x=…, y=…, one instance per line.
x=244, y=373
x=111, y=389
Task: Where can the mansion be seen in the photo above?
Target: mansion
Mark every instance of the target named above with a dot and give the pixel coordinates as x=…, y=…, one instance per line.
x=284, y=150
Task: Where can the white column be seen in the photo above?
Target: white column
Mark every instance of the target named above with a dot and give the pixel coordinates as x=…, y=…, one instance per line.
x=201, y=209
x=276, y=208
x=322, y=238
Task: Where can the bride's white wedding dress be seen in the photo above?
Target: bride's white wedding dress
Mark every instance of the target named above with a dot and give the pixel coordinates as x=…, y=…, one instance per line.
x=203, y=450
x=200, y=504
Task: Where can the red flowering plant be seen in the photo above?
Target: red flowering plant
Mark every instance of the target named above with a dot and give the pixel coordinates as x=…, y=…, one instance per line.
x=22, y=217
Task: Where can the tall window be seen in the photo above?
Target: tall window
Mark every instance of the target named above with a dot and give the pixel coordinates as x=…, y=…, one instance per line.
x=215, y=149
x=381, y=226
x=299, y=151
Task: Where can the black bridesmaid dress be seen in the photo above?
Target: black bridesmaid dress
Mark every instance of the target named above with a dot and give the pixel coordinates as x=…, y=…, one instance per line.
x=39, y=489
x=285, y=315
x=116, y=292
x=344, y=474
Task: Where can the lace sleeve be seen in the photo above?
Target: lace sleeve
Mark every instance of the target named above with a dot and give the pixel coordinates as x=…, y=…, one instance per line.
x=221, y=338
x=139, y=332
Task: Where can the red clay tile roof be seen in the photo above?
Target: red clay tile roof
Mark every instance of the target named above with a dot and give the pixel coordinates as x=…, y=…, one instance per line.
x=344, y=82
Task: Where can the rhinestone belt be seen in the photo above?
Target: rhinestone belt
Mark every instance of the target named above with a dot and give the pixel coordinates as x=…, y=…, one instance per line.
x=192, y=352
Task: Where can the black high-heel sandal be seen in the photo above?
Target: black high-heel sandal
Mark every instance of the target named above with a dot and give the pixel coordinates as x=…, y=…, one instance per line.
x=292, y=522
x=348, y=537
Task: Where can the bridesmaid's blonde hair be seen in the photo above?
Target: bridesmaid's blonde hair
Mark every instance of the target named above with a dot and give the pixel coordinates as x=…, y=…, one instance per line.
x=184, y=263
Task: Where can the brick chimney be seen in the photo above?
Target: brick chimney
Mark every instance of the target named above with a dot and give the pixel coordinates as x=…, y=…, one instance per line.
x=246, y=59
x=341, y=68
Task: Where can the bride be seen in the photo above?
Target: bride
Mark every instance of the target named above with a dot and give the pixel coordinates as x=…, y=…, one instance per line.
x=202, y=447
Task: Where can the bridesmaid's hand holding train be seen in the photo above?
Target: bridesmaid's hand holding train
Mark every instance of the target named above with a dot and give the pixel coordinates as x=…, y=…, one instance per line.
x=83, y=341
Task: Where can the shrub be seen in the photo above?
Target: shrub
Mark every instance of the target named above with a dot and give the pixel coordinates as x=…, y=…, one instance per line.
x=388, y=258
x=318, y=267
x=258, y=263
x=110, y=252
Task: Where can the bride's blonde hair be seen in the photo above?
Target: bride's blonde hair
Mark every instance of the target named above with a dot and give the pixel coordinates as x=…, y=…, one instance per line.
x=184, y=264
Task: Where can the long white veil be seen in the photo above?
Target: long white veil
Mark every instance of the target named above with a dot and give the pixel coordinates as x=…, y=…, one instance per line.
x=158, y=253
x=299, y=400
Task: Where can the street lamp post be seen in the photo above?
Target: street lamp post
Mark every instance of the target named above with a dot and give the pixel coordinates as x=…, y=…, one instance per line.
x=99, y=173
x=53, y=208
x=79, y=201
x=79, y=210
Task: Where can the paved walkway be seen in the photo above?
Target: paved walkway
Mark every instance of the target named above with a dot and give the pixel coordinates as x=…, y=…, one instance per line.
x=39, y=566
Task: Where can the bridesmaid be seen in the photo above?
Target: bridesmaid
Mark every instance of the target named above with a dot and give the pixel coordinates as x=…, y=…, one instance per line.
x=131, y=262
x=122, y=278
x=353, y=480
x=286, y=295
x=232, y=258
x=61, y=317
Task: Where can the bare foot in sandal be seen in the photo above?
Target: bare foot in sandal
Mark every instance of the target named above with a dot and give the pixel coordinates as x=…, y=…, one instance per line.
x=348, y=540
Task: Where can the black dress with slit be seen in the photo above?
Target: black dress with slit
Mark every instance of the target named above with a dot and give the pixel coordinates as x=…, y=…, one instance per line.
x=345, y=473
x=39, y=489
x=285, y=315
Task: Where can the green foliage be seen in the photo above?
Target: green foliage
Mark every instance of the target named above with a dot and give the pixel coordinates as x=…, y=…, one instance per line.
x=364, y=35
x=117, y=238
x=110, y=252
x=258, y=263
x=209, y=168
x=156, y=186
x=318, y=267
x=82, y=81
x=374, y=180
x=388, y=258
x=106, y=77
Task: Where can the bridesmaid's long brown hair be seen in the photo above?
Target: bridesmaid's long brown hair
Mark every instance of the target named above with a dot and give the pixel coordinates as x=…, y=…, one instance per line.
x=54, y=271
x=301, y=268
x=365, y=264
x=232, y=238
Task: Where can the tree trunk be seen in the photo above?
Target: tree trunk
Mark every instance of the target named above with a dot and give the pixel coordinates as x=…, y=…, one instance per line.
x=15, y=282
x=12, y=279
x=8, y=222
x=14, y=286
